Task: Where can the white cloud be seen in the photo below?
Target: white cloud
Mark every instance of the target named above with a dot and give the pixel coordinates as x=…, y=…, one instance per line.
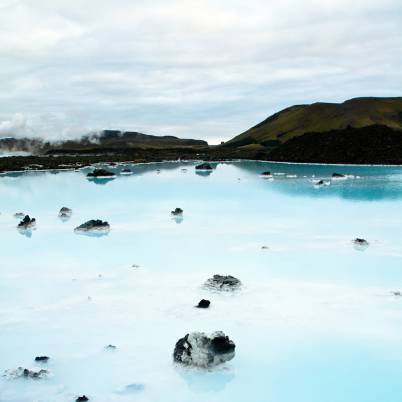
x=210, y=69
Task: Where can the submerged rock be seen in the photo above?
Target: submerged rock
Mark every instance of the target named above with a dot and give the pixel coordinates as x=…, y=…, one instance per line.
x=36, y=373
x=201, y=350
x=19, y=215
x=126, y=171
x=396, y=293
x=100, y=173
x=338, y=176
x=27, y=223
x=43, y=359
x=204, y=166
x=110, y=347
x=65, y=213
x=93, y=225
x=223, y=282
x=131, y=388
x=203, y=303
x=177, y=212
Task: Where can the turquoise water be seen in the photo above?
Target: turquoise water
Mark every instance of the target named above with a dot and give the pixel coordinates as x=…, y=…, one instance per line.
x=315, y=320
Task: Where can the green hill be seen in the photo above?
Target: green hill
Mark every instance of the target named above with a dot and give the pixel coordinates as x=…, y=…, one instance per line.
x=322, y=117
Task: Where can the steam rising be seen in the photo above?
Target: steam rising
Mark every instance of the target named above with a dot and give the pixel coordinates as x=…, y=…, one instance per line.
x=48, y=127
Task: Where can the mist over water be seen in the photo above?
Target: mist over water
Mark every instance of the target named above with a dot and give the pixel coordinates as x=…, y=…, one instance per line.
x=314, y=321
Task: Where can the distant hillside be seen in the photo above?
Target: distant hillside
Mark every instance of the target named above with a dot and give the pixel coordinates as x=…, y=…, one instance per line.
x=106, y=141
x=366, y=145
x=321, y=117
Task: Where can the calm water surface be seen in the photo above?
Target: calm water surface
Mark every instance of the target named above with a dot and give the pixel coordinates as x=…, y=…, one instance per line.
x=315, y=320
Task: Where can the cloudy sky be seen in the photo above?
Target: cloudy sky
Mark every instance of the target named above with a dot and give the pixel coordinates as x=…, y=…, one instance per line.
x=200, y=69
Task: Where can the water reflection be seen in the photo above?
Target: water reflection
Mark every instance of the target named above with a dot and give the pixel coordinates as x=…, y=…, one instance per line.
x=92, y=233
x=370, y=183
x=201, y=381
x=178, y=219
x=101, y=181
x=204, y=173
x=25, y=232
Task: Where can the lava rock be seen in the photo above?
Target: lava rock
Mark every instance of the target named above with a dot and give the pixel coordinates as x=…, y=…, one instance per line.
x=82, y=398
x=203, y=303
x=338, y=176
x=223, y=282
x=99, y=173
x=27, y=223
x=93, y=225
x=266, y=174
x=177, y=212
x=204, y=166
x=320, y=183
x=360, y=242
x=201, y=350
x=36, y=373
x=65, y=213
x=43, y=359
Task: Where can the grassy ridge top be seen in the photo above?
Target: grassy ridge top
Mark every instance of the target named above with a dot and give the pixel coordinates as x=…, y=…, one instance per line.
x=321, y=117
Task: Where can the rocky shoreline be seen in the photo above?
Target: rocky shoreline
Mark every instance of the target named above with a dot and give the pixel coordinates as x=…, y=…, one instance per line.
x=374, y=145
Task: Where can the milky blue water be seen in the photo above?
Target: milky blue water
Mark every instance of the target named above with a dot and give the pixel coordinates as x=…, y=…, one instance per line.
x=314, y=321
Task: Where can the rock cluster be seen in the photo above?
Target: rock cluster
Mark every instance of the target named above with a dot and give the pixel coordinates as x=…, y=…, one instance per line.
x=223, y=282
x=177, y=212
x=203, y=166
x=36, y=373
x=99, y=173
x=27, y=223
x=201, y=350
x=93, y=225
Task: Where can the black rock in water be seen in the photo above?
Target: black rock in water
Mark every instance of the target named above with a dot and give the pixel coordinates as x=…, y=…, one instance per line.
x=204, y=166
x=82, y=398
x=177, y=212
x=27, y=223
x=338, y=175
x=100, y=173
x=201, y=350
x=203, y=303
x=93, y=225
x=43, y=359
x=360, y=242
x=268, y=174
x=65, y=212
x=320, y=183
x=223, y=282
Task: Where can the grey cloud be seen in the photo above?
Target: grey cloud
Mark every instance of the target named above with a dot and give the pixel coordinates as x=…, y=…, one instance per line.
x=196, y=69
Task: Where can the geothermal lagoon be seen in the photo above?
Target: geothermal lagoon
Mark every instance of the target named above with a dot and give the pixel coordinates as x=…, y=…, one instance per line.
x=316, y=318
